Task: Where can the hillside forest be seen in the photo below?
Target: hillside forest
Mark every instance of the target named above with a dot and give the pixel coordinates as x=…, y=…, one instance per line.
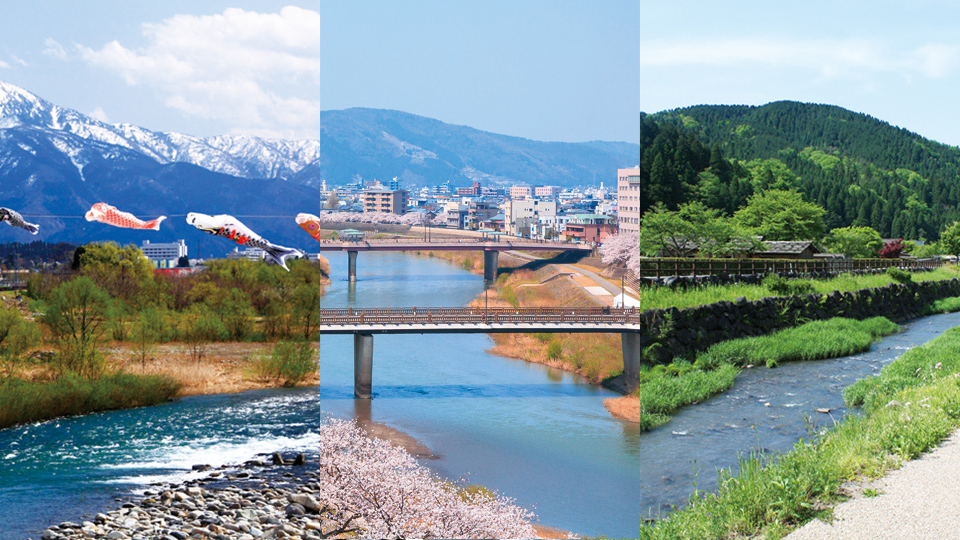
x=861, y=171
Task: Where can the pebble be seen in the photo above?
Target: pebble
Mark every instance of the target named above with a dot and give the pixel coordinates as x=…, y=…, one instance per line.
x=182, y=512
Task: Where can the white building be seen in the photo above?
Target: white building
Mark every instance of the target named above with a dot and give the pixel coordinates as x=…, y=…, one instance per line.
x=628, y=199
x=549, y=226
x=253, y=254
x=164, y=255
x=518, y=216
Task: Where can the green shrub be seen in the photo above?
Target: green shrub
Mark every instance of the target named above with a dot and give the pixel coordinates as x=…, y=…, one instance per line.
x=787, y=287
x=898, y=275
x=288, y=361
x=543, y=337
x=554, y=350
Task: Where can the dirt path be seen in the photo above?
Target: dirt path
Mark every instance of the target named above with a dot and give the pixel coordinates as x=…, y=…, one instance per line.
x=921, y=500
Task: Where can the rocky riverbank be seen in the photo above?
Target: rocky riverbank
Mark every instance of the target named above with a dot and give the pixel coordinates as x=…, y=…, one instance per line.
x=237, y=505
x=349, y=486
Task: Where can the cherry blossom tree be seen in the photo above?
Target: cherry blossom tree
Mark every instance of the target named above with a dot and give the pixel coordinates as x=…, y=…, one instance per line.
x=391, y=496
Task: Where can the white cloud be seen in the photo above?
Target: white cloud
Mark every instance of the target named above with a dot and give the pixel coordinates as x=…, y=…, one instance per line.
x=4, y=65
x=100, y=115
x=238, y=66
x=54, y=49
x=831, y=57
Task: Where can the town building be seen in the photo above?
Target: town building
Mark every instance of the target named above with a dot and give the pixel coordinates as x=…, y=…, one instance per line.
x=164, y=255
x=251, y=254
x=386, y=201
x=469, y=214
x=519, y=193
x=470, y=191
x=550, y=227
x=519, y=215
x=628, y=200
x=589, y=228
x=546, y=192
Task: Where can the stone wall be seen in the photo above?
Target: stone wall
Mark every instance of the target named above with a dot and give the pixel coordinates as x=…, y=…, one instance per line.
x=673, y=332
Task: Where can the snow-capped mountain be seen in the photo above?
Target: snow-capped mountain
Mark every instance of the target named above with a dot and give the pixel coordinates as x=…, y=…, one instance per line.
x=243, y=156
x=56, y=162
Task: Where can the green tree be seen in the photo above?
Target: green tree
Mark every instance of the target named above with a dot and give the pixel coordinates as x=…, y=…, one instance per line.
x=665, y=233
x=854, y=242
x=306, y=302
x=203, y=327
x=146, y=332
x=781, y=215
x=236, y=314
x=120, y=271
x=17, y=336
x=693, y=228
x=950, y=239
x=77, y=315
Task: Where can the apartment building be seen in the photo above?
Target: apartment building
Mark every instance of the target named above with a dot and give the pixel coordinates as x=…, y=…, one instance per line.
x=628, y=200
x=519, y=216
x=387, y=201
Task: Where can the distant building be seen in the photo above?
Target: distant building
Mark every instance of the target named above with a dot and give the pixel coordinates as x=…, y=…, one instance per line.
x=546, y=192
x=518, y=193
x=470, y=191
x=387, y=201
x=589, y=228
x=479, y=212
x=164, y=255
x=252, y=254
x=520, y=215
x=628, y=199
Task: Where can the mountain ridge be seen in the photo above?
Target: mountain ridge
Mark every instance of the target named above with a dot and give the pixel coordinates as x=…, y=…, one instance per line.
x=862, y=170
x=56, y=162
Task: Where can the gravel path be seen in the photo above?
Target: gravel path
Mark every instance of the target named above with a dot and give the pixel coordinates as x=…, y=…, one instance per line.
x=921, y=500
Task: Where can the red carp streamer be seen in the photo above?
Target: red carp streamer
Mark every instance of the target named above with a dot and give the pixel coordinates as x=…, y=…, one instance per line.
x=104, y=213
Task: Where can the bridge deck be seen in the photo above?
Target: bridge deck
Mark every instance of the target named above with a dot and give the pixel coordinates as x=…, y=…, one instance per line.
x=476, y=320
x=393, y=245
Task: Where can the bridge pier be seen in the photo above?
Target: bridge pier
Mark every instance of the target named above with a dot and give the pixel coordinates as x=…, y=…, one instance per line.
x=490, y=260
x=632, y=360
x=362, y=366
x=352, y=265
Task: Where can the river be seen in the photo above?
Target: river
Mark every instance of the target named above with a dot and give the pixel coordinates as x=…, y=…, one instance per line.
x=532, y=433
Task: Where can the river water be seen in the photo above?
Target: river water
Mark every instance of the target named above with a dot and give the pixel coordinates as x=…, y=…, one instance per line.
x=532, y=433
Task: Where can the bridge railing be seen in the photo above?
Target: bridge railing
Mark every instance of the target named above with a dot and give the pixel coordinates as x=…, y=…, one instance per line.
x=436, y=315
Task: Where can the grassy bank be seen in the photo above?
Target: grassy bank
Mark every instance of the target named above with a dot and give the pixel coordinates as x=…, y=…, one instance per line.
x=23, y=401
x=665, y=388
x=908, y=409
x=598, y=356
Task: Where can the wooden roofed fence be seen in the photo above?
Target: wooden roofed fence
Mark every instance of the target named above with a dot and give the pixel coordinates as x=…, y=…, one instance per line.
x=664, y=267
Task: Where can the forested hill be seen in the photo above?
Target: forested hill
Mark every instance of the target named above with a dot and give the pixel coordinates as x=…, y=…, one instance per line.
x=861, y=170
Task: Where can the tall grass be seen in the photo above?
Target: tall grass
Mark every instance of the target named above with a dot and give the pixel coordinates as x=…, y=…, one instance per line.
x=288, y=362
x=913, y=407
x=664, y=389
x=666, y=297
x=23, y=401
x=944, y=305
x=811, y=341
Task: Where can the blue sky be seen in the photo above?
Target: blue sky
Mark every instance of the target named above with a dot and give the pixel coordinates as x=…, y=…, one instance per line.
x=559, y=70
x=896, y=60
x=563, y=70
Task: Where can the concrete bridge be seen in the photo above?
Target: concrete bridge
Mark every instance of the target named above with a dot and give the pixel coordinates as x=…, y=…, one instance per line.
x=491, y=249
x=365, y=323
